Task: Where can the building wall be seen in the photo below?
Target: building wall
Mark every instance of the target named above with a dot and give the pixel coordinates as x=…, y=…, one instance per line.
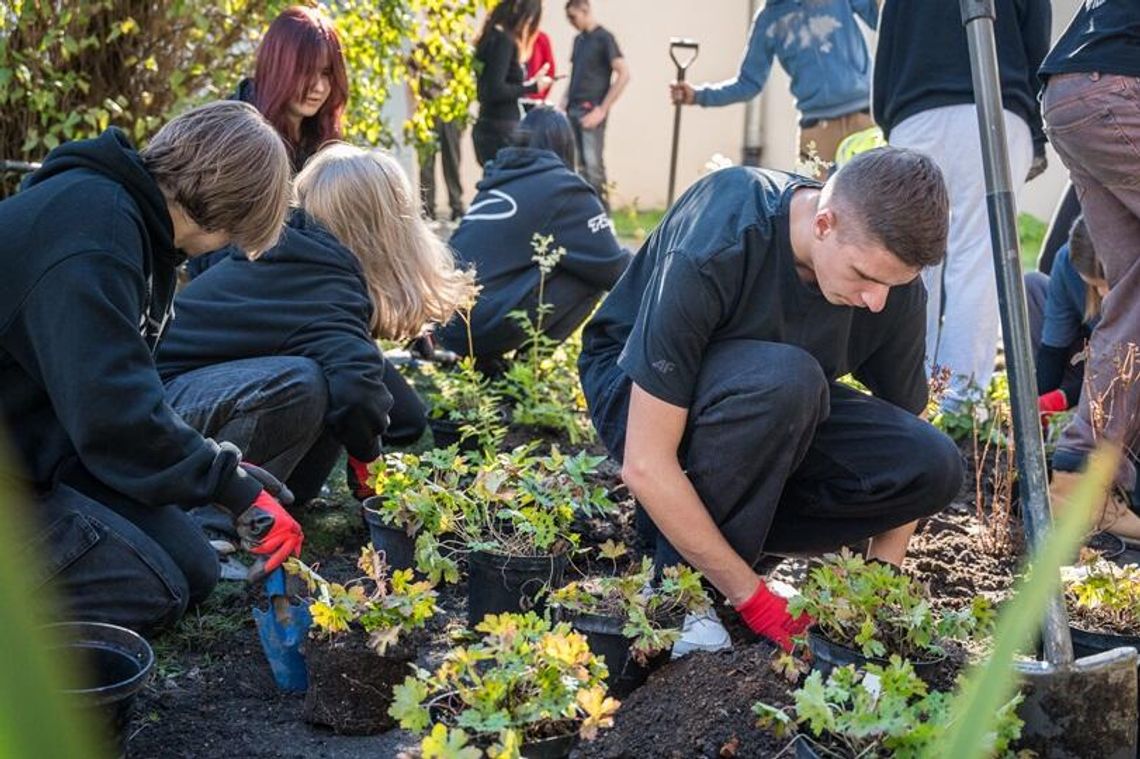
x=640, y=128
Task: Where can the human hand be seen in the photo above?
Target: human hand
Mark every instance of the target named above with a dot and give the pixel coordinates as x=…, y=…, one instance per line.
x=593, y=119
x=358, y=477
x=766, y=614
x=682, y=93
x=272, y=485
x=267, y=529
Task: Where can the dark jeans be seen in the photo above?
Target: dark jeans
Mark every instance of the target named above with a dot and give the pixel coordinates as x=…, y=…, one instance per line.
x=406, y=424
x=448, y=134
x=1036, y=295
x=490, y=137
x=121, y=562
x=591, y=144
x=572, y=301
x=789, y=463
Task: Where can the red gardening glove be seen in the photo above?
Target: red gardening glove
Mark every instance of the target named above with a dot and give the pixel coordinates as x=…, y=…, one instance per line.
x=359, y=479
x=1052, y=402
x=266, y=528
x=766, y=614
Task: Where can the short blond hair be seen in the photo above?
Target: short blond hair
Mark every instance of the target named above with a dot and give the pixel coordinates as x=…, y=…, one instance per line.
x=366, y=201
x=227, y=168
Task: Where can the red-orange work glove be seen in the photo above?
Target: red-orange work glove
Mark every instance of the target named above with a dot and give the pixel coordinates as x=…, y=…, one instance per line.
x=359, y=479
x=766, y=614
x=267, y=529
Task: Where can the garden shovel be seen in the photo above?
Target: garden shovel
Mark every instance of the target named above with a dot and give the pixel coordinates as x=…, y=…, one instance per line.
x=282, y=627
x=1071, y=708
x=688, y=49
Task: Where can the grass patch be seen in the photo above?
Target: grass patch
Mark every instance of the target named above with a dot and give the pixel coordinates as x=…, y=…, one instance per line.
x=1031, y=233
x=634, y=224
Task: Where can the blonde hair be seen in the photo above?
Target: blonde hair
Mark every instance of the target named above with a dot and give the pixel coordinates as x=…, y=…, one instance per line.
x=227, y=168
x=366, y=201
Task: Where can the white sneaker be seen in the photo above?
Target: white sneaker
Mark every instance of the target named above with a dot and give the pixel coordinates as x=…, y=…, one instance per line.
x=702, y=632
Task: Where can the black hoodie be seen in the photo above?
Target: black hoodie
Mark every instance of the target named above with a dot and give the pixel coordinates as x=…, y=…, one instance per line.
x=305, y=297
x=526, y=192
x=87, y=264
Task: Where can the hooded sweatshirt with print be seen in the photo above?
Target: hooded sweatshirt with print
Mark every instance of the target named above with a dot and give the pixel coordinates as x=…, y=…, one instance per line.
x=524, y=192
x=87, y=273
x=304, y=297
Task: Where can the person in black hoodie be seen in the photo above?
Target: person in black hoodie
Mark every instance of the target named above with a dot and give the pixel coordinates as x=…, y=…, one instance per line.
x=88, y=252
x=923, y=98
x=356, y=262
x=531, y=189
x=500, y=81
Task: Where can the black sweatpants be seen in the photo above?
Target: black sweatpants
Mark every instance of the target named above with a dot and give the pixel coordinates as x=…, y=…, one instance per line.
x=787, y=462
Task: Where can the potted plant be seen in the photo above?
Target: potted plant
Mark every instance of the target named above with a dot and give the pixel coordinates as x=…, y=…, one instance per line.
x=880, y=711
x=867, y=610
x=630, y=620
x=524, y=688
x=416, y=495
x=360, y=644
x=1104, y=605
x=517, y=524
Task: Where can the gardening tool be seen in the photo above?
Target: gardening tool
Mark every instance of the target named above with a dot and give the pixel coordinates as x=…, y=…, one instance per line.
x=1071, y=708
x=282, y=627
x=689, y=49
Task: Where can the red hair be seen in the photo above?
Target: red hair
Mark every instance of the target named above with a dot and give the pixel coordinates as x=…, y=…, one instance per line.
x=288, y=62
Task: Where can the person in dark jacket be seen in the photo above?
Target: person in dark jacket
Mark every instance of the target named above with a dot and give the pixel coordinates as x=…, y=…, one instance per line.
x=500, y=82
x=88, y=252
x=356, y=262
x=300, y=85
x=531, y=189
x=923, y=98
x=1064, y=307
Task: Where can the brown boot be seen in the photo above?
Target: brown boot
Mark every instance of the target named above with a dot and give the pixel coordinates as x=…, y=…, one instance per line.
x=1113, y=516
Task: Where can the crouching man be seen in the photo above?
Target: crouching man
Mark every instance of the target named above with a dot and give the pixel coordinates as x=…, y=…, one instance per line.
x=711, y=373
x=88, y=252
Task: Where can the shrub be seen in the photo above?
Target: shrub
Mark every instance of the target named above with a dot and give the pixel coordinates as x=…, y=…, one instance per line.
x=1104, y=597
x=523, y=680
x=873, y=608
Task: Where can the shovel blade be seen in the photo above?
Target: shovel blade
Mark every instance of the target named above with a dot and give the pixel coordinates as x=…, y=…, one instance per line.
x=282, y=628
x=1087, y=709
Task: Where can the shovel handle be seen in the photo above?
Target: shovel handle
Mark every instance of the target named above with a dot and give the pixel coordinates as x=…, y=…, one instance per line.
x=682, y=63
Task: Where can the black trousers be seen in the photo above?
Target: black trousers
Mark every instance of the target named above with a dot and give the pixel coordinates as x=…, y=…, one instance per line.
x=787, y=462
x=490, y=137
x=448, y=133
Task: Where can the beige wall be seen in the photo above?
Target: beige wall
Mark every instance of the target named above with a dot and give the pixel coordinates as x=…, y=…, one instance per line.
x=640, y=128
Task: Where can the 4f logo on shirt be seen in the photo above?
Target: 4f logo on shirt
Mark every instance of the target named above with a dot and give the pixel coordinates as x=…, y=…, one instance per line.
x=600, y=222
x=664, y=366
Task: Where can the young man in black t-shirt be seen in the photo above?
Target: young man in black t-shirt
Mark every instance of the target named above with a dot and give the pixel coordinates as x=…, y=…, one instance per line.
x=710, y=371
x=593, y=91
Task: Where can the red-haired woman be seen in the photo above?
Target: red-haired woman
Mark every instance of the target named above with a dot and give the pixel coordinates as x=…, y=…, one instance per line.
x=300, y=86
x=299, y=82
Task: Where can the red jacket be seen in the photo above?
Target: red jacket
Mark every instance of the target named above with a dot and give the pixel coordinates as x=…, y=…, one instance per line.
x=542, y=53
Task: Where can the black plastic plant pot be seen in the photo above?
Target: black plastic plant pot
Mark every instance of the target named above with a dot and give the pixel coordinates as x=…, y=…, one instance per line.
x=399, y=548
x=827, y=655
x=111, y=665
x=604, y=636
x=806, y=748
x=558, y=747
x=445, y=433
x=498, y=584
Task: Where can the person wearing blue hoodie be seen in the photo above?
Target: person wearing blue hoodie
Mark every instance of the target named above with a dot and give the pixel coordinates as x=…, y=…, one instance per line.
x=531, y=188
x=820, y=45
x=88, y=253
x=356, y=262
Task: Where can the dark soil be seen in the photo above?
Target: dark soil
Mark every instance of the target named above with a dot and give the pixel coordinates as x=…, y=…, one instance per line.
x=350, y=687
x=946, y=554
x=698, y=706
